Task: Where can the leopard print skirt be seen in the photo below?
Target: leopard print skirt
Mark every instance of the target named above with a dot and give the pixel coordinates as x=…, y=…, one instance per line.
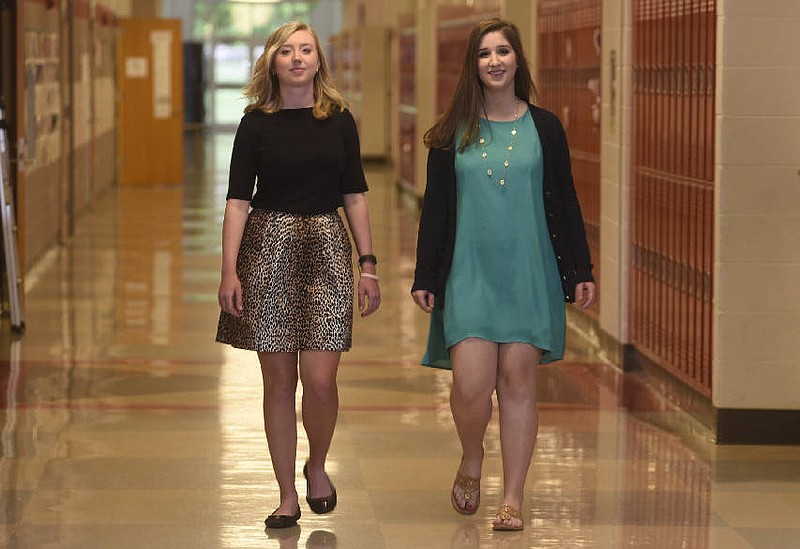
x=297, y=285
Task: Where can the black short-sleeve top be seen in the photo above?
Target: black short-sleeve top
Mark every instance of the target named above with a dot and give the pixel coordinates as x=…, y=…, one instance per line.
x=302, y=165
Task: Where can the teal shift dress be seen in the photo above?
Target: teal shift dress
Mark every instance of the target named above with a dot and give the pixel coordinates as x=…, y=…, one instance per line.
x=504, y=284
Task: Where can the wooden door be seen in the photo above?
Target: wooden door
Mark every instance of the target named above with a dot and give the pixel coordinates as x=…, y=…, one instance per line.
x=150, y=68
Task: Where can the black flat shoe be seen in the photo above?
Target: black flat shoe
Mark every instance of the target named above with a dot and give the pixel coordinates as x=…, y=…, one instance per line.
x=320, y=505
x=282, y=521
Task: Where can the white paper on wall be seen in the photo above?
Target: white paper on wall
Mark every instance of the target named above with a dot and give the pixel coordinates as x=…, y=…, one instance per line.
x=161, y=41
x=81, y=102
x=136, y=67
x=104, y=105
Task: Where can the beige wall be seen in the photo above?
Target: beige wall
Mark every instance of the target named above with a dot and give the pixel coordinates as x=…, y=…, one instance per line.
x=757, y=316
x=376, y=12
x=145, y=8
x=122, y=8
x=425, y=82
x=615, y=173
x=134, y=8
x=523, y=14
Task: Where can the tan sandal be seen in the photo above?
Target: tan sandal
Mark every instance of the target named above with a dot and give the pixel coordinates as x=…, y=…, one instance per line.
x=505, y=517
x=471, y=490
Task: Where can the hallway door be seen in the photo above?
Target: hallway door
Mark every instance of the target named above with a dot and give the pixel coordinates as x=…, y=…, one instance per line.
x=150, y=68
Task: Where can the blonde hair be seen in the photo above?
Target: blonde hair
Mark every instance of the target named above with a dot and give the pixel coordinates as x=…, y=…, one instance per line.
x=264, y=90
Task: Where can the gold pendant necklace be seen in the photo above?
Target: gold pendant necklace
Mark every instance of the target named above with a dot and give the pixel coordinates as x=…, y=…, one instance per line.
x=509, y=149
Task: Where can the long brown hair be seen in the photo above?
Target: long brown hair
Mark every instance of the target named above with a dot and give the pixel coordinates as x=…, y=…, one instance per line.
x=264, y=89
x=467, y=103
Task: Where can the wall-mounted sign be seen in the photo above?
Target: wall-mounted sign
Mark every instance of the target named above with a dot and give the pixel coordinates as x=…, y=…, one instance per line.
x=161, y=40
x=136, y=67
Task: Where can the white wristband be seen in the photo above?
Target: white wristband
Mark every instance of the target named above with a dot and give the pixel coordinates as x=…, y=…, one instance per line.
x=369, y=275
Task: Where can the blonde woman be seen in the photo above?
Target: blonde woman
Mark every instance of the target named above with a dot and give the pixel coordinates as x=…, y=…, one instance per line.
x=286, y=289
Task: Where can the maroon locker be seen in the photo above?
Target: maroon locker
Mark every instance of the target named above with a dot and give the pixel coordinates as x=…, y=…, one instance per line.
x=453, y=27
x=407, y=117
x=569, y=85
x=673, y=186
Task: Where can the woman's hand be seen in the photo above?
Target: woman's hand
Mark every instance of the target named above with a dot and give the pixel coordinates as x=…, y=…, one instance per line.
x=230, y=295
x=424, y=299
x=369, y=296
x=585, y=294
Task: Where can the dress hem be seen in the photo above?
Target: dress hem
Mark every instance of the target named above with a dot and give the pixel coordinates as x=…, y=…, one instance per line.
x=444, y=363
x=295, y=350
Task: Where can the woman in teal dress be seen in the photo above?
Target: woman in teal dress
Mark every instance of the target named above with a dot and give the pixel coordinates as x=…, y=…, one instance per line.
x=501, y=247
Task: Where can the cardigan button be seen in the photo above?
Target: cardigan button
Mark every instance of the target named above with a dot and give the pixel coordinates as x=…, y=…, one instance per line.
x=553, y=236
x=563, y=277
x=558, y=257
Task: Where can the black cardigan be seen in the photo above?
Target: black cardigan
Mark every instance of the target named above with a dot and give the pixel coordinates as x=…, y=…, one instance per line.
x=437, y=227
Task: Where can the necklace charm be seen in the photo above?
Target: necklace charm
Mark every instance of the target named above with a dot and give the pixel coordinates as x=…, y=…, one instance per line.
x=510, y=148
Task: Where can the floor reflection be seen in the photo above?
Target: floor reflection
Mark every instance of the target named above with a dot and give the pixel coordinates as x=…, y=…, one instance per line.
x=291, y=538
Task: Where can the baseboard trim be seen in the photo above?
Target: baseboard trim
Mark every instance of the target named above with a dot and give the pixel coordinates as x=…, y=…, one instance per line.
x=726, y=425
x=744, y=426
x=675, y=391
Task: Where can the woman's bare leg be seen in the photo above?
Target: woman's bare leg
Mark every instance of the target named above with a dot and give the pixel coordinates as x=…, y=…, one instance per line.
x=320, y=410
x=519, y=418
x=279, y=373
x=474, y=379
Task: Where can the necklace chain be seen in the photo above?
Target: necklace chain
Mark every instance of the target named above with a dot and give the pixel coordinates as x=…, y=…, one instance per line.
x=509, y=149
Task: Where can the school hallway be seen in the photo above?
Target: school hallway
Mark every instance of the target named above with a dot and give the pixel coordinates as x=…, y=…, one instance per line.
x=124, y=425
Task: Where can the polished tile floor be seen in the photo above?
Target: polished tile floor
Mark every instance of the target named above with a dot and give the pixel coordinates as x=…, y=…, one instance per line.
x=124, y=425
